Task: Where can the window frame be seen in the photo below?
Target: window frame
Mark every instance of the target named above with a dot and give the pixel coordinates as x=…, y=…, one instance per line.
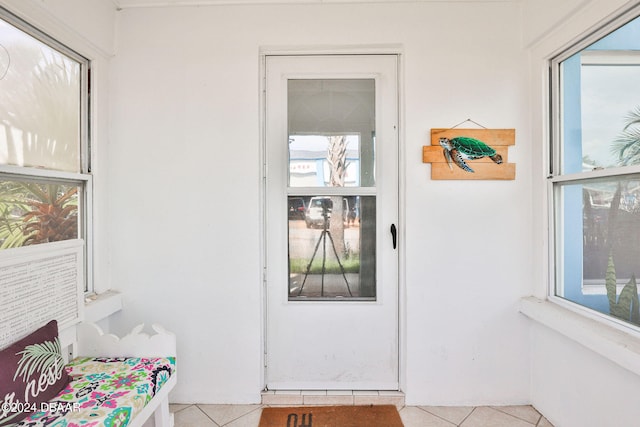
x=83, y=178
x=555, y=177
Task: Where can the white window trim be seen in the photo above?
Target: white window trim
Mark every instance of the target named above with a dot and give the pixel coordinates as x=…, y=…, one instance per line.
x=84, y=176
x=600, y=332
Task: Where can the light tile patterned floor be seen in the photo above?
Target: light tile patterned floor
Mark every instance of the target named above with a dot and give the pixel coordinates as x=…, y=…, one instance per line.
x=412, y=416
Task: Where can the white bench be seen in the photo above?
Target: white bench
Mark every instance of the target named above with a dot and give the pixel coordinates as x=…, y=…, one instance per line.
x=127, y=378
x=93, y=342
x=45, y=282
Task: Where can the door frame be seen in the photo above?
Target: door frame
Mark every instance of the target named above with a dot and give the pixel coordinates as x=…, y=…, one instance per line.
x=401, y=309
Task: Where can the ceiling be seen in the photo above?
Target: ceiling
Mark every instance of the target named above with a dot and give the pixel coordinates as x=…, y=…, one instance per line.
x=123, y=4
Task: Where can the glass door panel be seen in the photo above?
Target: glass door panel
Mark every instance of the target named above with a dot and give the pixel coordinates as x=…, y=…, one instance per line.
x=331, y=128
x=322, y=266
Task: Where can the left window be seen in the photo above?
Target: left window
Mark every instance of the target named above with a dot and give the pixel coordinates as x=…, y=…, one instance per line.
x=45, y=176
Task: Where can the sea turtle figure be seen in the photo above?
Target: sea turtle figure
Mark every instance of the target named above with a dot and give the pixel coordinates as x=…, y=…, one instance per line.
x=464, y=148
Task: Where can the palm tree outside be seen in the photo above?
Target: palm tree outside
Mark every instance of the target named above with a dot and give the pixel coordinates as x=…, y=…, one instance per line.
x=337, y=159
x=627, y=144
x=33, y=213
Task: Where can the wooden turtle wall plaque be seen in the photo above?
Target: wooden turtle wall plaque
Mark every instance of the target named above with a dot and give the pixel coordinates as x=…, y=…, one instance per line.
x=470, y=154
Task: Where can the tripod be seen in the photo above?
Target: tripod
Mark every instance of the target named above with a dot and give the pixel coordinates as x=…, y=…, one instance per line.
x=323, y=239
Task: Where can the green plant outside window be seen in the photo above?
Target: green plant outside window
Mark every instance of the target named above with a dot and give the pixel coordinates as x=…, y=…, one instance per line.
x=33, y=213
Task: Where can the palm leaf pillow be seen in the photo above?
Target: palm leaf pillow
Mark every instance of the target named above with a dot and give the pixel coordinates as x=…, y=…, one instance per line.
x=31, y=372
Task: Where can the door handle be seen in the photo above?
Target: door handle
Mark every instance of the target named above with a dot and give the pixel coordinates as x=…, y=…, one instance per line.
x=394, y=235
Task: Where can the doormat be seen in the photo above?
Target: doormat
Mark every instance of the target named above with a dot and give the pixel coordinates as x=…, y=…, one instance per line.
x=331, y=416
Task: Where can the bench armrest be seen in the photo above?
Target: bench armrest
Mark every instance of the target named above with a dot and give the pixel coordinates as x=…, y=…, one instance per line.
x=93, y=342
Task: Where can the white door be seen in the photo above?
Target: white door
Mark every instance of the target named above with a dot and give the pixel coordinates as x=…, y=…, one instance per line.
x=331, y=217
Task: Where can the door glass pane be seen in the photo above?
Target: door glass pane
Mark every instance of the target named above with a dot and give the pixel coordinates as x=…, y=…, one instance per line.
x=331, y=128
x=310, y=162
x=332, y=248
x=331, y=133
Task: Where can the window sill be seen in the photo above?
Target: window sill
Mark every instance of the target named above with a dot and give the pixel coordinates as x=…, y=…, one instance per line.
x=100, y=306
x=616, y=345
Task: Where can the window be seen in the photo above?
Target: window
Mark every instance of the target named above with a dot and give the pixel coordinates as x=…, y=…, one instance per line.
x=45, y=179
x=595, y=172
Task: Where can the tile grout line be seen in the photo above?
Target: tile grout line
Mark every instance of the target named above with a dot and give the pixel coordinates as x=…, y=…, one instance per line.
x=244, y=415
x=438, y=416
x=541, y=416
x=468, y=415
x=497, y=408
x=205, y=414
x=186, y=407
x=540, y=420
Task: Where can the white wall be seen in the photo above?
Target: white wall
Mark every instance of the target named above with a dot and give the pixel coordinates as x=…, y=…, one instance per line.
x=541, y=17
x=575, y=387
x=86, y=25
x=185, y=189
x=183, y=192
x=570, y=384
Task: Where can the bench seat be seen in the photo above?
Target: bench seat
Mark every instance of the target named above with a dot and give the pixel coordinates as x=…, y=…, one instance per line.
x=107, y=392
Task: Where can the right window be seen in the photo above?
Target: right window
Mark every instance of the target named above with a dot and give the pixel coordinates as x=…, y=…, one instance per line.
x=595, y=172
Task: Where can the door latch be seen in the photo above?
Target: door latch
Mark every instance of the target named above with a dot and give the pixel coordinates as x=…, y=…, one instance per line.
x=394, y=235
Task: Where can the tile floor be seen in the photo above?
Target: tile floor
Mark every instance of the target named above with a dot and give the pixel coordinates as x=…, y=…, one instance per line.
x=412, y=416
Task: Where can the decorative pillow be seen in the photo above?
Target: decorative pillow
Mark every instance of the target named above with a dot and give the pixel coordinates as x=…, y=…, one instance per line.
x=31, y=372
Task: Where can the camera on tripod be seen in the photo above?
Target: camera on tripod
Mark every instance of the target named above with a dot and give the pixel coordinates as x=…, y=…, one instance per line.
x=325, y=205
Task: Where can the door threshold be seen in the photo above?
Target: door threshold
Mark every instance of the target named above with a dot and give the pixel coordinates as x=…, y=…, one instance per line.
x=333, y=397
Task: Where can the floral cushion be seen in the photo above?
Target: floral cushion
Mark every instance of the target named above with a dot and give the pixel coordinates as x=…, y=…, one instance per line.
x=103, y=392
